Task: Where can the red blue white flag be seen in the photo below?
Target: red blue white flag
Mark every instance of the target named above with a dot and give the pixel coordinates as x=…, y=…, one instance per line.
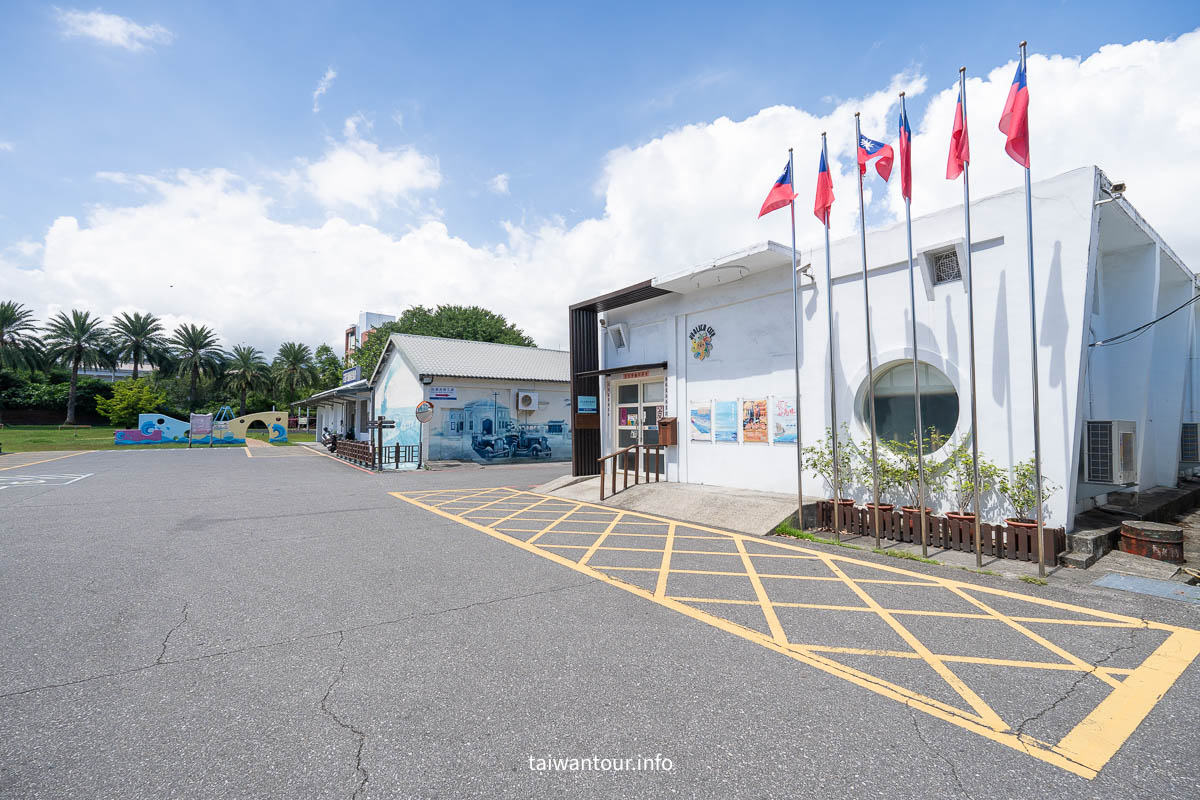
x=781, y=193
x=960, y=145
x=1014, y=122
x=869, y=149
x=824, y=201
x=905, y=155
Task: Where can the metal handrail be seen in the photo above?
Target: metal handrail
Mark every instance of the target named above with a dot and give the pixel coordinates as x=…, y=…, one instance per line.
x=638, y=461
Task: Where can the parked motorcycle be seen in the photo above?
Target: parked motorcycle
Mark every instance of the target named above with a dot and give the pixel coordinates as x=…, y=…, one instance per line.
x=329, y=439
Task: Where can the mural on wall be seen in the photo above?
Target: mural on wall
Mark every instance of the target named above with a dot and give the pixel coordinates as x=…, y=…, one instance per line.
x=161, y=429
x=725, y=421
x=700, y=422
x=395, y=403
x=754, y=421
x=486, y=430
x=783, y=421
x=702, y=341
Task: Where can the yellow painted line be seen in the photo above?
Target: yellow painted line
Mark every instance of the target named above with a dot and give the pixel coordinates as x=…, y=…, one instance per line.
x=46, y=460
x=600, y=539
x=1109, y=724
x=664, y=568
x=547, y=529
x=248, y=453
x=1095, y=740
x=763, y=600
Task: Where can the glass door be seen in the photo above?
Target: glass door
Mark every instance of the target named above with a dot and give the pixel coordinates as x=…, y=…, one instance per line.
x=639, y=408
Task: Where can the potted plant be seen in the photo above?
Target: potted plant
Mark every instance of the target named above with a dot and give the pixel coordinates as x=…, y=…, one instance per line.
x=1020, y=489
x=907, y=461
x=819, y=458
x=959, y=480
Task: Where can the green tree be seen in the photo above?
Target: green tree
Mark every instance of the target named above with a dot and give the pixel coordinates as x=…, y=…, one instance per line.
x=19, y=343
x=473, y=323
x=329, y=368
x=293, y=370
x=195, y=353
x=129, y=399
x=368, y=353
x=139, y=339
x=79, y=340
x=245, y=372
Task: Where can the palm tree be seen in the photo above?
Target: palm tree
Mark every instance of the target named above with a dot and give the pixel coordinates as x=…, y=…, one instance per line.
x=79, y=340
x=196, y=353
x=294, y=369
x=139, y=338
x=19, y=343
x=246, y=371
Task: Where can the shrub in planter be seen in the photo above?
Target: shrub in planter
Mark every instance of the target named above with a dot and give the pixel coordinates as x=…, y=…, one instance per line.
x=958, y=478
x=1019, y=488
x=819, y=458
x=905, y=473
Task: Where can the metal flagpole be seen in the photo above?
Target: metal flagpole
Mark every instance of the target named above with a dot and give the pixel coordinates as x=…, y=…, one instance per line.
x=796, y=342
x=962, y=89
x=837, y=494
x=912, y=300
x=862, y=218
x=1033, y=353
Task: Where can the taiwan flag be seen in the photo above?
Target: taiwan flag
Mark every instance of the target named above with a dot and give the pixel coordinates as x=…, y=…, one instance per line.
x=960, y=145
x=1014, y=122
x=824, y=201
x=905, y=155
x=869, y=149
x=781, y=193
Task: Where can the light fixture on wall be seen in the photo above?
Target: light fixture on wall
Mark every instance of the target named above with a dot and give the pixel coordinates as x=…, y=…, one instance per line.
x=426, y=379
x=805, y=270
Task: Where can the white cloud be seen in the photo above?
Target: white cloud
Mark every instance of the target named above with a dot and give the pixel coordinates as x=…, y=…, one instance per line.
x=6, y=147
x=323, y=87
x=398, y=118
x=110, y=29
x=356, y=173
x=210, y=246
x=498, y=184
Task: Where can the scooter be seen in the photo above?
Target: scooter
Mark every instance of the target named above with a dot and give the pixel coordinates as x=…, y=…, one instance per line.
x=329, y=439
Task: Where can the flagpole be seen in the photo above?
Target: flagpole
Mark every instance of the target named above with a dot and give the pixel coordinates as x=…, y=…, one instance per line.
x=862, y=217
x=1033, y=353
x=796, y=342
x=976, y=491
x=912, y=300
x=837, y=494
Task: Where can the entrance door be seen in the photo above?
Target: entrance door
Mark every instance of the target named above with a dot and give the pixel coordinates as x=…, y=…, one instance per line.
x=639, y=408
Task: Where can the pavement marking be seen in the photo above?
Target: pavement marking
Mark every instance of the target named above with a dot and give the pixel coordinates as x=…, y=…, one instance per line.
x=1133, y=684
x=23, y=462
x=9, y=481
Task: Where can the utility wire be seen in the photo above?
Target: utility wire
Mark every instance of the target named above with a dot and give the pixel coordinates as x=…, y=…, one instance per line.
x=1134, y=333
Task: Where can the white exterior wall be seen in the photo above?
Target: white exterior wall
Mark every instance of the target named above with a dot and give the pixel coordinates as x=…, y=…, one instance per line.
x=752, y=354
x=475, y=402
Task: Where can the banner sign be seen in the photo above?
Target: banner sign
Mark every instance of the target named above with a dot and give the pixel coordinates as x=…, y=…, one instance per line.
x=725, y=421
x=201, y=425
x=784, y=427
x=700, y=422
x=754, y=421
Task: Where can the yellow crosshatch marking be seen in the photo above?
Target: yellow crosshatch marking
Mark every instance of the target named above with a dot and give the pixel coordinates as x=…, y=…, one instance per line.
x=773, y=593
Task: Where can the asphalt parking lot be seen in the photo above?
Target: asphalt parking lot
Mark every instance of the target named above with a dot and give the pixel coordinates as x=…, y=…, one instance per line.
x=208, y=624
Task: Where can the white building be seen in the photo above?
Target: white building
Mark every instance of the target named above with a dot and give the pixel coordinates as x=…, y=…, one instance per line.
x=491, y=402
x=357, y=333
x=691, y=343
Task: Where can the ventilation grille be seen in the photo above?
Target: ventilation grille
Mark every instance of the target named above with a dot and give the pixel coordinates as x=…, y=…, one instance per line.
x=945, y=266
x=1099, y=452
x=1189, y=443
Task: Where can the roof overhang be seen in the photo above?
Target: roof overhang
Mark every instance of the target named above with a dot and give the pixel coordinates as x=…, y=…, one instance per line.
x=591, y=373
x=646, y=290
x=343, y=392
x=752, y=260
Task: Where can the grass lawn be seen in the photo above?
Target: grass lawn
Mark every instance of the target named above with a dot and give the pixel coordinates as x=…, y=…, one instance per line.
x=294, y=437
x=26, y=438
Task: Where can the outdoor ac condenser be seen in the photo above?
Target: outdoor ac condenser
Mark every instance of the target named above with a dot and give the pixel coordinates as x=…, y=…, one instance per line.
x=527, y=401
x=1110, y=452
x=1189, y=443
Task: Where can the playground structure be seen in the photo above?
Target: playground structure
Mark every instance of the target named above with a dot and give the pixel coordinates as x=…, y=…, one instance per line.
x=227, y=429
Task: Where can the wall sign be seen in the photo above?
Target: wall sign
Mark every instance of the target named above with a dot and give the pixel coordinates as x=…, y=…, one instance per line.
x=443, y=393
x=645, y=373
x=725, y=421
x=702, y=341
x=351, y=374
x=587, y=404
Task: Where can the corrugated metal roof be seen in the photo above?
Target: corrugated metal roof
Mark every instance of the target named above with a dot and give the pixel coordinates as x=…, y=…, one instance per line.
x=457, y=358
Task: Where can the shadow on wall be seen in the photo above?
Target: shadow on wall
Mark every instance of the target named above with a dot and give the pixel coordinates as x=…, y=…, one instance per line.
x=1055, y=320
x=1001, y=353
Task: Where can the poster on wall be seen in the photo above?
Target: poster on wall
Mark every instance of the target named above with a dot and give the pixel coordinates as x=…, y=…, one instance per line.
x=783, y=421
x=754, y=421
x=725, y=421
x=700, y=422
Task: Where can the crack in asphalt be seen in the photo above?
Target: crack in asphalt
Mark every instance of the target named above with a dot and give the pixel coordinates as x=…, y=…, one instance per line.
x=930, y=747
x=359, y=770
x=295, y=639
x=1020, y=729
x=162, y=656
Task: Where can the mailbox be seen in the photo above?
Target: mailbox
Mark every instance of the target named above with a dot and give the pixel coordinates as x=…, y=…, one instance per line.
x=668, y=431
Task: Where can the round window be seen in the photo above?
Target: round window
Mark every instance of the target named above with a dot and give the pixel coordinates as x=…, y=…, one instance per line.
x=895, y=413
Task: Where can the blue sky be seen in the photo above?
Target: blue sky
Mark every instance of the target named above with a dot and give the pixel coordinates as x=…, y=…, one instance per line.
x=540, y=92
x=632, y=138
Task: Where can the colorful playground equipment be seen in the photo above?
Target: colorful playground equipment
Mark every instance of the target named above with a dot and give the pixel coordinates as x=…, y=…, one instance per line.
x=227, y=429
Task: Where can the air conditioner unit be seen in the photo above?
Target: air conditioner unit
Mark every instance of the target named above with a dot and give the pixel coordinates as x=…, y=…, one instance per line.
x=1110, y=452
x=527, y=401
x=1189, y=443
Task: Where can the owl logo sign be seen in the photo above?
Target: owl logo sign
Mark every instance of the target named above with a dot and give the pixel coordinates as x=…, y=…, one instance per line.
x=702, y=341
